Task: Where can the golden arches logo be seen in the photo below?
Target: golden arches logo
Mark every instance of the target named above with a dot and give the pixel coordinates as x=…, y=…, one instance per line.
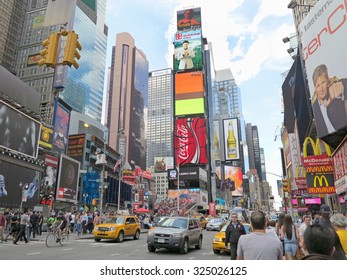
x=320, y=179
x=315, y=146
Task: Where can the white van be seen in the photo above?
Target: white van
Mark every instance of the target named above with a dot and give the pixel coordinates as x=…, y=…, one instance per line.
x=242, y=214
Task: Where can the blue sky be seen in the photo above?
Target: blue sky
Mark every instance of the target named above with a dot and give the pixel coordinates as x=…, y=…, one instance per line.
x=246, y=37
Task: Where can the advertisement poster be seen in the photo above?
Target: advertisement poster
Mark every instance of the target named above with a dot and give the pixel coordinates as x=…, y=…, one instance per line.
x=48, y=183
x=231, y=139
x=61, y=127
x=189, y=19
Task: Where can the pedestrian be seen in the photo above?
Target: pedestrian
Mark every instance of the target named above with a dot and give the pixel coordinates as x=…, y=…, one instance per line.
x=232, y=234
x=339, y=222
x=324, y=221
x=306, y=222
x=2, y=226
x=278, y=228
x=33, y=223
x=318, y=242
x=289, y=234
x=258, y=245
x=39, y=223
x=24, y=222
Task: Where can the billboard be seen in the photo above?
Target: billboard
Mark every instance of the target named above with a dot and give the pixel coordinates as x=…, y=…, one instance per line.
x=191, y=82
x=325, y=29
x=68, y=179
x=18, y=186
x=189, y=107
x=186, y=196
x=320, y=183
x=61, y=122
x=340, y=161
x=160, y=164
x=18, y=131
x=188, y=51
x=231, y=139
x=48, y=182
x=189, y=19
x=233, y=179
x=190, y=141
x=76, y=146
x=46, y=137
x=216, y=140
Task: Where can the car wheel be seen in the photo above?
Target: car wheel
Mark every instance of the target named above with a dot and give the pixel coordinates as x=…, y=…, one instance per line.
x=120, y=237
x=216, y=251
x=97, y=239
x=185, y=247
x=151, y=248
x=199, y=245
x=137, y=235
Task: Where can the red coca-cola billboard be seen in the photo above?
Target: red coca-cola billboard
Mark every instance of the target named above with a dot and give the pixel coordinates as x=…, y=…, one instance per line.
x=190, y=141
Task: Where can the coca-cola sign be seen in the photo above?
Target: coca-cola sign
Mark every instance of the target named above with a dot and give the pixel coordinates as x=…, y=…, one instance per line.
x=190, y=141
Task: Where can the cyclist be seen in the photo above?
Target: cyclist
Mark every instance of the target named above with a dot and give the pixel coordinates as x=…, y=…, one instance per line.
x=62, y=223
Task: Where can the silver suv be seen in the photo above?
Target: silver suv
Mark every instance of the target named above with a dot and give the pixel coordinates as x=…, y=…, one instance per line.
x=175, y=233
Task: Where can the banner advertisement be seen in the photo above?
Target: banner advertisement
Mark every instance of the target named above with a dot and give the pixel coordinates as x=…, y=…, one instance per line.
x=67, y=187
x=18, y=131
x=324, y=29
x=189, y=19
x=231, y=139
x=212, y=209
x=160, y=164
x=188, y=51
x=18, y=186
x=46, y=137
x=320, y=183
x=190, y=141
x=233, y=179
x=340, y=160
x=216, y=140
x=90, y=187
x=61, y=122
x=48, y=182
x=186, y=196
x=316, y=161
x=286, y=149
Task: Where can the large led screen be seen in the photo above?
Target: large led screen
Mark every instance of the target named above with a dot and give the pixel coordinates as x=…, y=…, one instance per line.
x=231, y=139
x=324, y=52
x=189, y=107
x=19, y=186
x=76, y=146
x=61, y=127
x=68, y=179
x=188, y=51
x=191, y=82
x=189, y=19
x=232, y=179
x=18, y=132
x=190, y=141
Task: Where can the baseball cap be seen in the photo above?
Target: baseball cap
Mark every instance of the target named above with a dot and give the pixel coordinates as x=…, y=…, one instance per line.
x=324, y=208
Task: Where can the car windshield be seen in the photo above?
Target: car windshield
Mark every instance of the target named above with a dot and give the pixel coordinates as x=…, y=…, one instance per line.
x=215, y=221
x=174, y=223
x=115, y=220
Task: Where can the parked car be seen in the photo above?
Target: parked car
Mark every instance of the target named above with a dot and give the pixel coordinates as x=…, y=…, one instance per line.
x=177, y=233
x=117, y=228
x=218, y=242
x=215, y=224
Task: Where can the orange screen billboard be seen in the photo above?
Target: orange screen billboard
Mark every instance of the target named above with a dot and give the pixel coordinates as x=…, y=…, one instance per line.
x=189, y=83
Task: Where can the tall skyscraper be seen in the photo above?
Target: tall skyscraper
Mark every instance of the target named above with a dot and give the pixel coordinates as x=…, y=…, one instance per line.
x=160, y=115
x=82, y=89
x=128, y=96
x=254, y=149
x=11, y=24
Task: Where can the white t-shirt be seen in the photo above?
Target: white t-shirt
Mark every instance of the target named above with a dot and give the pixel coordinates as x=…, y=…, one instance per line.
x=260, y=246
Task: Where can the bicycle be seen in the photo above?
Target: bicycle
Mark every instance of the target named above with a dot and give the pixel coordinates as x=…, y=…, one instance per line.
x=52, y=237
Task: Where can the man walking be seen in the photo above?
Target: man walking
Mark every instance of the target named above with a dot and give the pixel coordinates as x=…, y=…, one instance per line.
x=232, y=234
x=258, y=245
x=24, y=222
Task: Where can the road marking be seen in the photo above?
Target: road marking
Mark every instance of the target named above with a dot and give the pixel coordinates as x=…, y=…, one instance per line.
x=115, y=254
x=36, y=253
x=136, y=250
x=191, y=258
x=68, y=249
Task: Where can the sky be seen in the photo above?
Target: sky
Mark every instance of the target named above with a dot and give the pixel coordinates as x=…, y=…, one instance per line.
x=246, y=37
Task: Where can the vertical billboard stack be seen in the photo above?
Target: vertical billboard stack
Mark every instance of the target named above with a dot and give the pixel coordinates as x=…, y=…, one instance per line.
x=190, y=135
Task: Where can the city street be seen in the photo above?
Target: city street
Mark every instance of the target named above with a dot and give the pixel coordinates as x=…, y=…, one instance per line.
x=85, y=248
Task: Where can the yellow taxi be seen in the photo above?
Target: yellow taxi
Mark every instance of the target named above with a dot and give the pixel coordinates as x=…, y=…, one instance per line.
x=202, y=220
x=218, y=242
x=117, y=228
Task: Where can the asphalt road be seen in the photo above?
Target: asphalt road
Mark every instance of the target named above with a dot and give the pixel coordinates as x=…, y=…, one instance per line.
x=86, y=248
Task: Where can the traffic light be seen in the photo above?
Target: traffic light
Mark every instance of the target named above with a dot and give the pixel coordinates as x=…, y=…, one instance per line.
x=71, y=50
x=49, y=53
x=285, y=185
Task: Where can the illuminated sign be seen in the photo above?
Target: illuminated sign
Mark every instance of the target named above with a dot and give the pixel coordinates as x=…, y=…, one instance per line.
x=189, y=107
x=320, y=183
x=317, y=159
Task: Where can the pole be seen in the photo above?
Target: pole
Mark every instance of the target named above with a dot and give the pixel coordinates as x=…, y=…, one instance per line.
x=103, y=178
x=178, y=188
x=119, y=185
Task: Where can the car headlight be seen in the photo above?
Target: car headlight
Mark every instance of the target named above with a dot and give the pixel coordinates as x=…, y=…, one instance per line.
x=217, y=239
x=150, y=233
x=112, y=228
x=176, y=235
x=96, y=228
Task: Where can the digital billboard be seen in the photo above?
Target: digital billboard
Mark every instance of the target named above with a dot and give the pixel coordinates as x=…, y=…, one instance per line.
x=191, y=82
x=76, y=146
x=160, y=164
x=189, y=19
x=46, y=137
x=322, y=30
x=48, y=182
x=188, y=51
x=19, y=186
x=233, y=179
x=61, y=122
x=231, y=139
x=18, y=131
x=189, y=107
x=190, y=141
x=68, y=179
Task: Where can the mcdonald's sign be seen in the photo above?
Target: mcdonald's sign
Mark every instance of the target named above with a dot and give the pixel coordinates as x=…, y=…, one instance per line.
x=320, y=183
x=317, y=160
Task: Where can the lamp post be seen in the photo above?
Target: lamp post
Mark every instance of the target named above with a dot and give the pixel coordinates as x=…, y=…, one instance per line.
x=178, y=189
x=121, y=150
